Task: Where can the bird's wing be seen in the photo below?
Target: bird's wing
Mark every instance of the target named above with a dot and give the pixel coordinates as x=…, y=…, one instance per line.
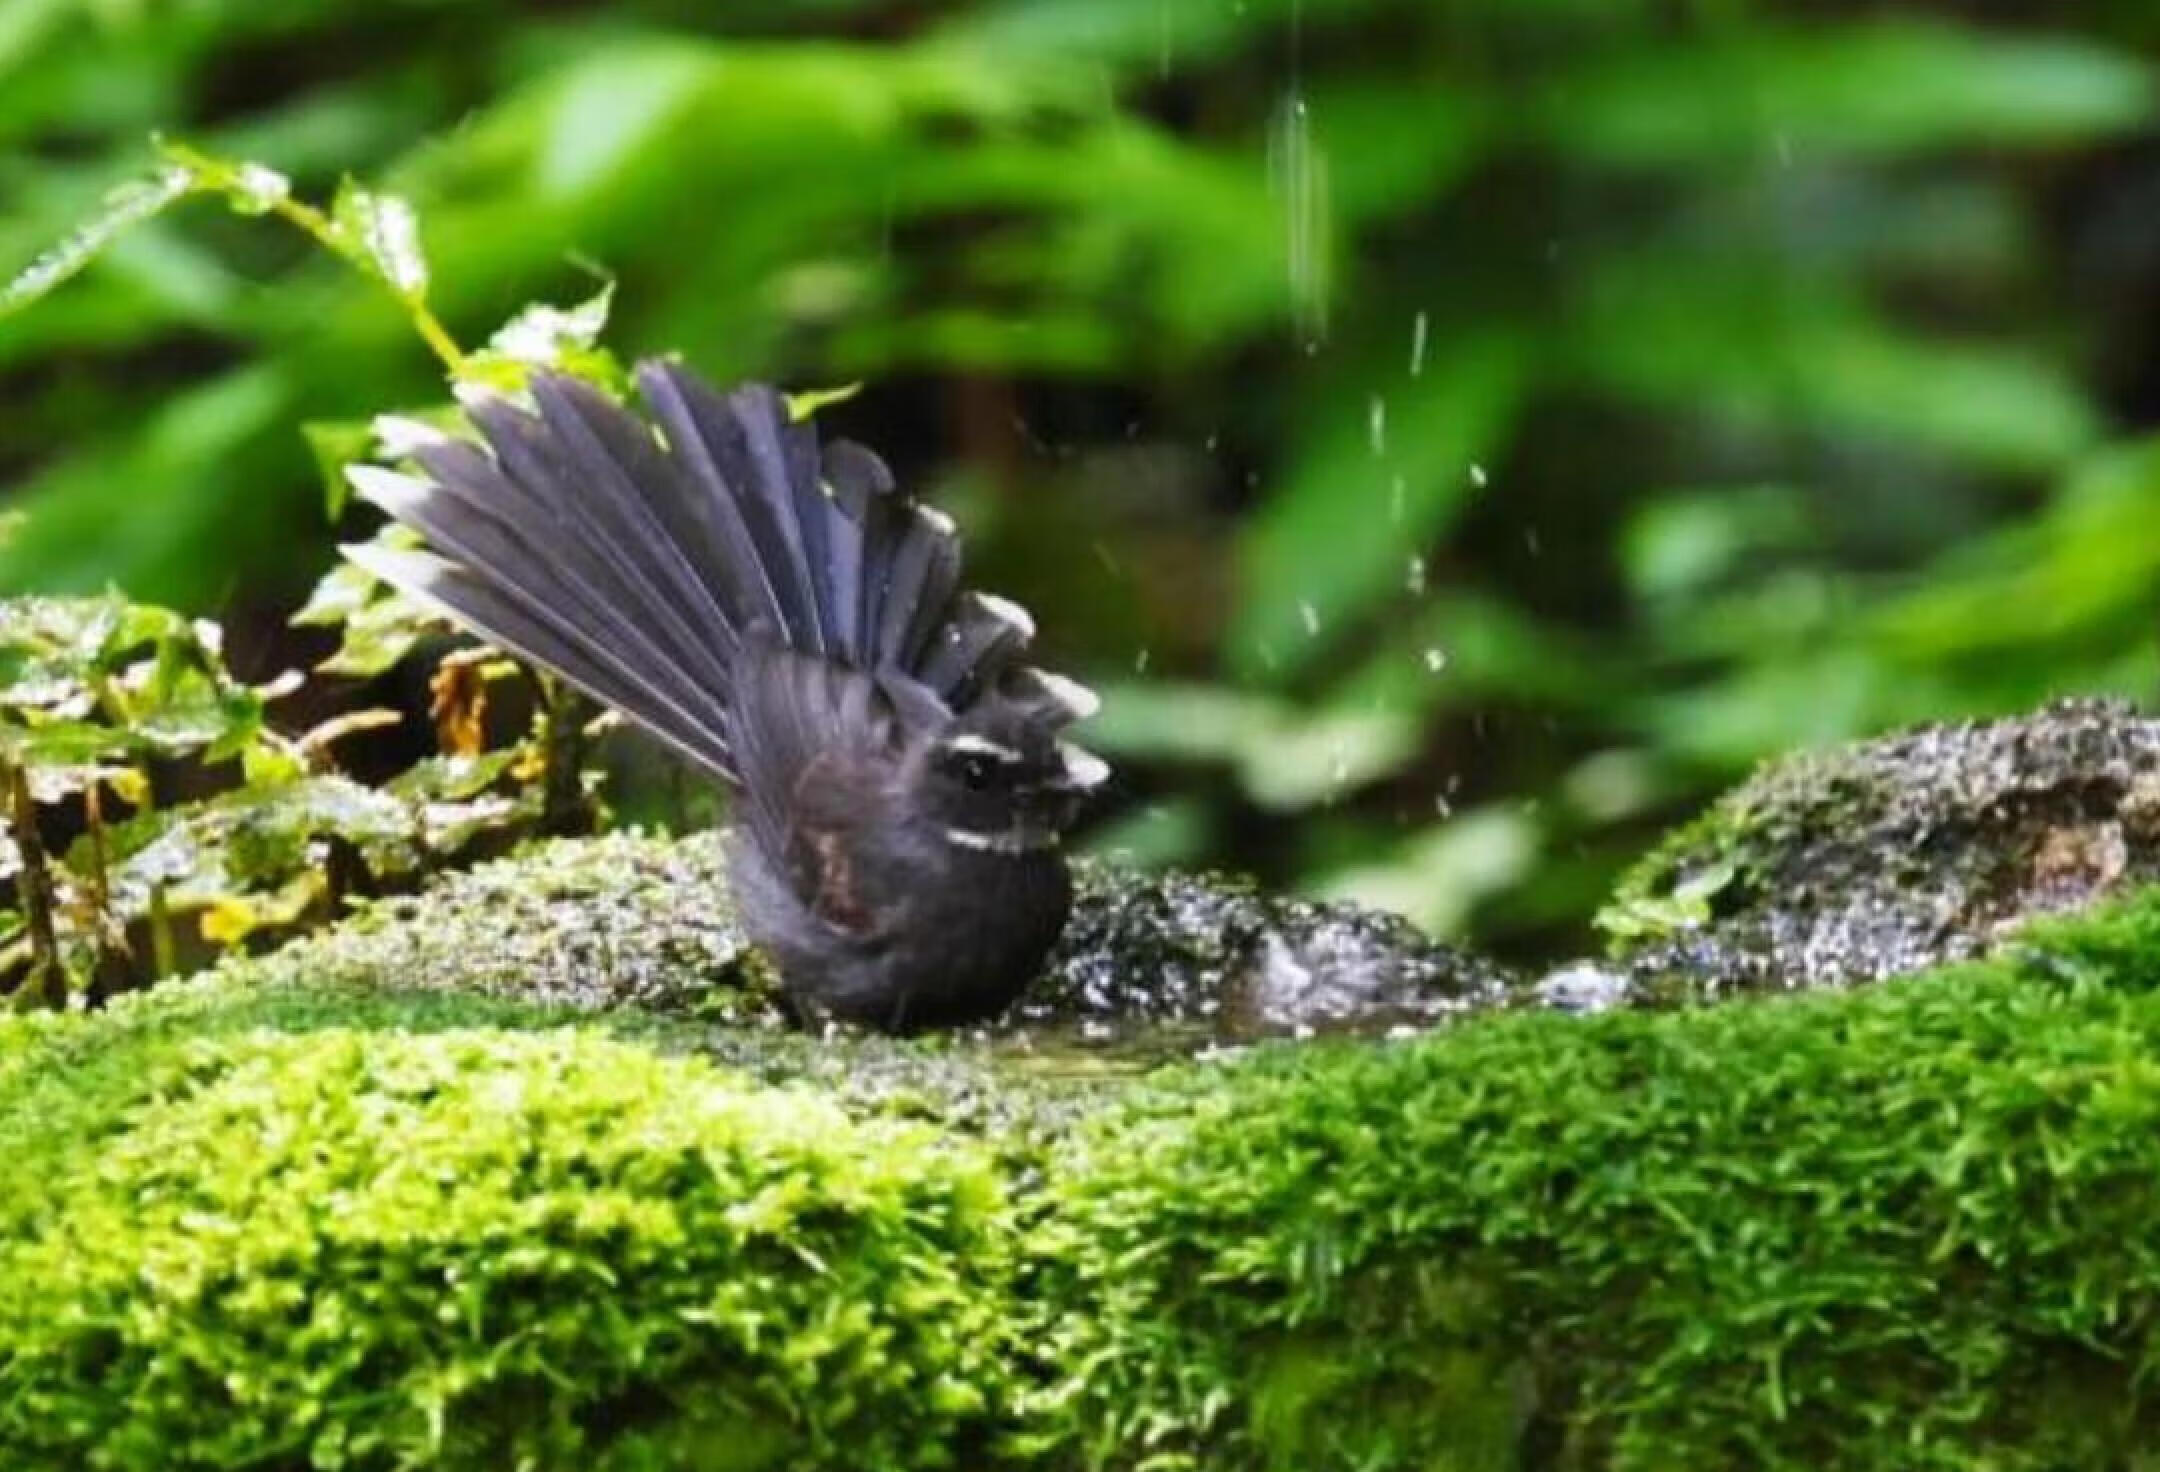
x=818, y=746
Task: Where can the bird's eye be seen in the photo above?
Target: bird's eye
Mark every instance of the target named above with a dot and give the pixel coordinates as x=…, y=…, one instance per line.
x=976, y=771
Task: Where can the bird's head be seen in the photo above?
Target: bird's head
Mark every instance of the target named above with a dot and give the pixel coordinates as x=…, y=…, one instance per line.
x=997, y=776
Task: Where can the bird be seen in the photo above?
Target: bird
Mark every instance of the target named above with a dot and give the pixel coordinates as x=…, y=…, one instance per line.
x=778, y=612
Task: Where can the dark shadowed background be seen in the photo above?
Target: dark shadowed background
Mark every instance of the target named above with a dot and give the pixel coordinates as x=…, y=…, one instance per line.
x=1456, y=435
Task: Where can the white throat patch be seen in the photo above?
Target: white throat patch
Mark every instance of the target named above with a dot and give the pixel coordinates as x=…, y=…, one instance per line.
x=1005, y=841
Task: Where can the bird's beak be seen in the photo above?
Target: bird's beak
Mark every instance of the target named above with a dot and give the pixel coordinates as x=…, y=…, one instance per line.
x=1084, y=770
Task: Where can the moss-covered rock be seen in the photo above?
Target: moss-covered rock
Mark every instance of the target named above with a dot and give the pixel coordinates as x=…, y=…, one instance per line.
x=272, y=1222
x=321, y=1244
x=1889, y=855
x=1151, y=962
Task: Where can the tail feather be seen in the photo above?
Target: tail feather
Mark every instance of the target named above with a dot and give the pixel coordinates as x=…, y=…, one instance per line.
x=731, y=446
x=862, y=489
x=550, y=593
x=535, y=633
x=618, y=459
x=603, y=529
x=638, y=565
x=978, y=641
x=914, y=572
x=691, y=417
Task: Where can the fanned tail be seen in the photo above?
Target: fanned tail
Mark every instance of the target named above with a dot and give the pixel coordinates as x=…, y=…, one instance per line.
x=636, y=566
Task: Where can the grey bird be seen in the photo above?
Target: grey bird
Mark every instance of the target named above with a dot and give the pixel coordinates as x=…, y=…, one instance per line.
x=781, y=615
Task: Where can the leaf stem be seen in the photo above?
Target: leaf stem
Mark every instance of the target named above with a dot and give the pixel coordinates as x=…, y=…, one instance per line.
x=219, y=176
x=47, y=982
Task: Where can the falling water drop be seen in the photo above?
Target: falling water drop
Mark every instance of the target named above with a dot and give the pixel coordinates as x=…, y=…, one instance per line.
x=1311, y=617
x=1297, y=170
x=1398, y=499
x=1140, y=661
x=1376, y=424
x=1417, y=576
x=1435, y=659
x=1478, y=477
x=1417, y=345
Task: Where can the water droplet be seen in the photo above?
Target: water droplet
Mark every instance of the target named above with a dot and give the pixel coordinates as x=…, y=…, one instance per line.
x=1417, y=576
x=1311, y=617
x=1267, y=654
x=1376, y=424
x=1398, y=497
x=1478, y=477
x=1140, y=661
x=1297, y=170
x=1436, y=659
x=1530, y=540
x=1417, y=345
x=1441, y=807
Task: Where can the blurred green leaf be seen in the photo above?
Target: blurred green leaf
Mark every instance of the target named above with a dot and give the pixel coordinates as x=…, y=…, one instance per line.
x=1380, y=480
x=1894, y=85
x=1438, y=877
x=1286, y=759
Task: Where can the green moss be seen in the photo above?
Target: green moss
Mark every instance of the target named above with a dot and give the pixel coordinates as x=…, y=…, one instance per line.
x=255, y=1223
x=475, y=1247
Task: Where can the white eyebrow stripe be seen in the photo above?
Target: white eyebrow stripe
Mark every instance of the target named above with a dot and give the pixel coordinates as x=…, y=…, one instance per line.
x=975, y=745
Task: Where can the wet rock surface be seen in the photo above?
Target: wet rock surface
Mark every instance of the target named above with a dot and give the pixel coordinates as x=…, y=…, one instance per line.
x=586, y=924
x=1211, y=954
x=1891, y=855
x=1148, y=963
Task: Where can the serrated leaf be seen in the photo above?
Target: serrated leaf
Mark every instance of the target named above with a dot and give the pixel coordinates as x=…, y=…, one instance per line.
x=541, y=335
x=382, y=231
x=125, y=207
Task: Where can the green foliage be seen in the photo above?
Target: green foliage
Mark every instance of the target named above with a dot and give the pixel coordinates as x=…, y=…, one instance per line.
x=101, y=701
x=471, y=1248
x=1476, y=315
